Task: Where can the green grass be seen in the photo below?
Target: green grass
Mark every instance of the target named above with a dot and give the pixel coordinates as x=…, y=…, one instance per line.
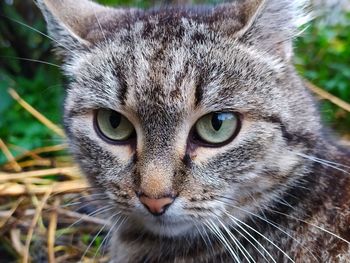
x=323, y=57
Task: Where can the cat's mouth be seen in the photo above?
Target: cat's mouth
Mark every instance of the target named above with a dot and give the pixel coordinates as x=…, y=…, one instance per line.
x=164, y=226
x=171, y=223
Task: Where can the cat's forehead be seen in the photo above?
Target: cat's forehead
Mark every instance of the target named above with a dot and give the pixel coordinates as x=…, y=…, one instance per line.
x=166, y=22
x=172, y=67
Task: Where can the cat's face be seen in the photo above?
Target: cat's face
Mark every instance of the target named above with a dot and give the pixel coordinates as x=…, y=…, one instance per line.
x=180, y=111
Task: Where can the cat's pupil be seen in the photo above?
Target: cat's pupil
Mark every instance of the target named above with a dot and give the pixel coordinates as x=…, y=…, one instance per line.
x=114, y=119
x=216, y=121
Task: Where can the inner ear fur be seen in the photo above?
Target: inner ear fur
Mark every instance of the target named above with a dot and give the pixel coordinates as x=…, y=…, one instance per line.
x=77, y=24
x=76, y=16
x=237, y=16
x=268, y=25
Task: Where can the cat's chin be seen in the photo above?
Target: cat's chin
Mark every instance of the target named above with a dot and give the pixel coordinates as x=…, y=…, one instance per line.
x=169, y=230
x=166, y=227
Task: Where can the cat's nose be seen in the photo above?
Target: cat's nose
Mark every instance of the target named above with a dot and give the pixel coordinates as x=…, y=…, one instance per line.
x=156, y=206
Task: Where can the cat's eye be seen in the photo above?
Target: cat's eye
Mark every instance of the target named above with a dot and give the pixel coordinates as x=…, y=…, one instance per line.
x=217, y=127
x=113, y=126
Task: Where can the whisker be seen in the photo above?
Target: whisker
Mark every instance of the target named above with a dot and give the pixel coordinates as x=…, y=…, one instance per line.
x=297, y=184
x=267, y=239
x=222, y=239
x=99, y=25
x=96, y=212
x=84, y=202
x=206, y=238
x=38, y=31
x=86, y=196
x=32, y=60
x=284, y=202
x=316, y=226
x=269, y=222
x=260, y=209
x=200, y=233
x=321, y=161
x=88, y=188
x=327, y=161
x=97, y=235
x=259, y=244
x=83, y=206
x=89, y=78
x=108, y=233
x=236, y=242
x=52, y=39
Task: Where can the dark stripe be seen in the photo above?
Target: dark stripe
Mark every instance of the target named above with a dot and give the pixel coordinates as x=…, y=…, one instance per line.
x=199, y=91
x=187, y=160
x=308, y=139
x=123, y=86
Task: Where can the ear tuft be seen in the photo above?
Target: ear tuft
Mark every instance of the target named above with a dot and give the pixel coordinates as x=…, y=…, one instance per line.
x=270, y=25
x=277, y=25
x=236, y=17
x=74, y=25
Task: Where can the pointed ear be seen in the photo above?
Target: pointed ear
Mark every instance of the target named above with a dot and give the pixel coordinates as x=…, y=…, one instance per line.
x=268, y=25
x=75, y=25
x=236, y=17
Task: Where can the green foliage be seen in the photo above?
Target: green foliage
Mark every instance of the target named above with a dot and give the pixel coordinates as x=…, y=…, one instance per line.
x=322, y=56
x=39, y=84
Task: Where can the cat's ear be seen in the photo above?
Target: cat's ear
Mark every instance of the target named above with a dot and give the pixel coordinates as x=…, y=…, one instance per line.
x=74, y=25
x=268, y=25
x=237, y=16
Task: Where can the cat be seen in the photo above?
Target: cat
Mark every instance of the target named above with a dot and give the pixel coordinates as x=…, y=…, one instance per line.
x=194, y=125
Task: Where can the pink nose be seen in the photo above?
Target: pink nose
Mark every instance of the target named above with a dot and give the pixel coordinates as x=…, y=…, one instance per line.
x=156, y=206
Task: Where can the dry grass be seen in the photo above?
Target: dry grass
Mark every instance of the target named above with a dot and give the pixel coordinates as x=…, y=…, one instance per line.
x=42, y=193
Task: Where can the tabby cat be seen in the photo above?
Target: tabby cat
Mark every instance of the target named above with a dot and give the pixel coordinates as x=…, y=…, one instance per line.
x=196, y=129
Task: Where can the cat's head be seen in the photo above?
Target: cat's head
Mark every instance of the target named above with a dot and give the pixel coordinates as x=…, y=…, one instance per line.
x=182, y=116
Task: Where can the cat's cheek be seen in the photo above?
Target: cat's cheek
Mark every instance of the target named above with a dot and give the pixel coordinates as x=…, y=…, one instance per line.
x=83, y=125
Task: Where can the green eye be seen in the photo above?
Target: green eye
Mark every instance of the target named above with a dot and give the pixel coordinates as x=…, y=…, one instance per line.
x=217, y=127
x=113, y=126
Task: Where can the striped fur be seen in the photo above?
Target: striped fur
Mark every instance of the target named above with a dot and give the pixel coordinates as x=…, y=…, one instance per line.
x=269, y=195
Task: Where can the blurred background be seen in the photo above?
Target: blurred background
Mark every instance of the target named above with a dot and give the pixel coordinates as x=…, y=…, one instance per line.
x=29, y=72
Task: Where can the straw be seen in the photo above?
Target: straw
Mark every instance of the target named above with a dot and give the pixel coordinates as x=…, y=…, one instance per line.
x=326, y=95
x=9, y=157
x=40, y=207
x=36, y=113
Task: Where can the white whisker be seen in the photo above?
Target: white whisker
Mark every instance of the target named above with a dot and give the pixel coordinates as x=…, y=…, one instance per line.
x=270, y=241
x=54, y=40
x=200, y=233
x=108, y=233
x=99, y=25
x=259, y=244
x=324, y=162
x=41, y=33
x=206, y=238
x=95, y=237
x=96, y=212
x=316, y=226
x=216, y=230
x=330, y=162
x=269, y=222
x=244, y=252
x=32, y=60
